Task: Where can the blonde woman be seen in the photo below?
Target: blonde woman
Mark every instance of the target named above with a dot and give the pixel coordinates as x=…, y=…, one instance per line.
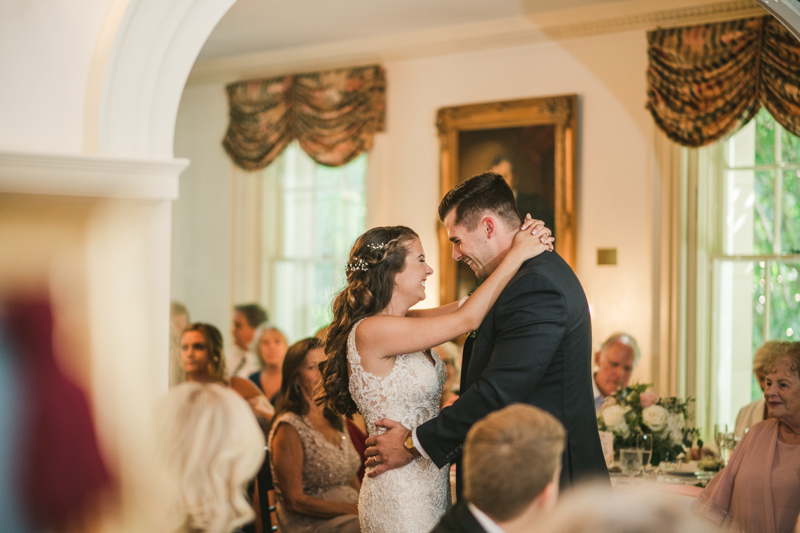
x=210, y=446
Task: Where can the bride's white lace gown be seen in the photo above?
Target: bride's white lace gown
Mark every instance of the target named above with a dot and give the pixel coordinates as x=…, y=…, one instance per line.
x=412, y=498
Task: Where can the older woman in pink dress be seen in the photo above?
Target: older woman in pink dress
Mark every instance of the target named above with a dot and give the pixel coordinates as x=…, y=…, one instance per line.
x=759, y=490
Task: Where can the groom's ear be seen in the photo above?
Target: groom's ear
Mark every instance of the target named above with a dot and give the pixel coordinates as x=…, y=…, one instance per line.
x=488, y=225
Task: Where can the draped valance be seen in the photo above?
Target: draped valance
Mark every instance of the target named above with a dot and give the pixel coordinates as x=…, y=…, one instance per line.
x=707, y=81
x=333, y=114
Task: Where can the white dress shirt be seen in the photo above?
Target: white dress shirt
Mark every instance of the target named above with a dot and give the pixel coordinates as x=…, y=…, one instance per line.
x=240, y=362
x=484, y=520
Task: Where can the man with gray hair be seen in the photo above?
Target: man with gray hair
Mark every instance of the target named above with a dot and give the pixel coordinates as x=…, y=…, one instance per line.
x=511, y=465
x=615, y=361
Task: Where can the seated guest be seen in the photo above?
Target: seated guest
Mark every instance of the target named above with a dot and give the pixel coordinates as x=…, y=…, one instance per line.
x=210, y=448
x=756, y=411
x=596, y=509
x=269, y=343
x=201, y=355
x=313, y=462
x=240, y=360
x=615, y=361
x=450, y=356
x=511, y=464
x=759, y=489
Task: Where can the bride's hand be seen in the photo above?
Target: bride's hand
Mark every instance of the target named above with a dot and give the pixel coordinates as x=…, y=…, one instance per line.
x=532, y=239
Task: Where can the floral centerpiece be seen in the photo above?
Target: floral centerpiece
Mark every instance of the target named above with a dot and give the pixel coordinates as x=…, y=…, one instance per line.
x=635, y=410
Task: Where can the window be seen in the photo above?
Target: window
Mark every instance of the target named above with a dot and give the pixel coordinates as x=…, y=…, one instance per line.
x=312, y=215
x=756, y=259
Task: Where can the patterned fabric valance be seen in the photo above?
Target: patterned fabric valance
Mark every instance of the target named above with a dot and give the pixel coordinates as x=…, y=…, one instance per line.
x=333, y=114
x=705, y=82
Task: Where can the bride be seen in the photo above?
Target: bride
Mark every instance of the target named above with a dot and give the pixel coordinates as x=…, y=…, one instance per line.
x=379, y=362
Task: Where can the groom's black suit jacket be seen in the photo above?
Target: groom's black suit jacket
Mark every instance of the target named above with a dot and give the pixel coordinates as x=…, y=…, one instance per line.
x=535, y=347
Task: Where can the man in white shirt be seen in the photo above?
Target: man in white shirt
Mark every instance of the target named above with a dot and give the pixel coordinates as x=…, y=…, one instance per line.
x=239, y=360
x=615, y=361
x=511, y=465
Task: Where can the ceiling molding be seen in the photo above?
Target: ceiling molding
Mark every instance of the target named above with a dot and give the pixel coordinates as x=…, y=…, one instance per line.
x=648, y=16
x=90, y=176
x=572, y=23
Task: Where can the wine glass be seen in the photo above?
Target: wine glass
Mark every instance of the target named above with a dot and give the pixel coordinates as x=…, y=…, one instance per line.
x=630, y=461
x=644, y=442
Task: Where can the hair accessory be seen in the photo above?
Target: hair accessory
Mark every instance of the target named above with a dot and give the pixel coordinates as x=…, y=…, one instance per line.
x=374, y=247
x=358, y=264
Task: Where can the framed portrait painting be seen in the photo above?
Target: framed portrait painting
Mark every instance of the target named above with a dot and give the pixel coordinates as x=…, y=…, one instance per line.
x=532, y=144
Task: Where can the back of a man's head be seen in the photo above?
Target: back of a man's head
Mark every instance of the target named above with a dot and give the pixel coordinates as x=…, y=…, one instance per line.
x=473, y=198
x=253, y=313
x=510, y=457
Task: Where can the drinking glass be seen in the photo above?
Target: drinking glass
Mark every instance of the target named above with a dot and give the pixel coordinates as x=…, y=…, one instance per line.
x=630, y=461
x=719, y=435
x=644, y=442
x=729, y=441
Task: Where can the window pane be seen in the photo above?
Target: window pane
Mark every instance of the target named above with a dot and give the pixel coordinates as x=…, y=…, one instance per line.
x=764, y=216
x=740, y=150
x=738, y=229
x=784, y=318
x=738, y=331
x=790, y=219
x=765, y=138
x=299, y=208
x=322, y=212
x=790, y=147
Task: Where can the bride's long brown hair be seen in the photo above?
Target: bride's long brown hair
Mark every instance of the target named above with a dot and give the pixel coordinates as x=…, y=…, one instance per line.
x=375, y=259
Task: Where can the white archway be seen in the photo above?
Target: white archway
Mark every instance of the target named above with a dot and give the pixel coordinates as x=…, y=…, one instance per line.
x=138, y=76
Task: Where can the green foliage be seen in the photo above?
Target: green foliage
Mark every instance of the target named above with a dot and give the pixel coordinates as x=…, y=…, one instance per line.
x=784, y=283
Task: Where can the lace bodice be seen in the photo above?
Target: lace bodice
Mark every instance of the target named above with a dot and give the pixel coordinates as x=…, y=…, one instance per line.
x=327, y=471
x=412, y=498
x=410, y=394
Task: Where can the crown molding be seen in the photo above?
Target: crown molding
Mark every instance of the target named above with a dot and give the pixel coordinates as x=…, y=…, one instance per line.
x=90, y=176
x=604, y=18
x=643, y=15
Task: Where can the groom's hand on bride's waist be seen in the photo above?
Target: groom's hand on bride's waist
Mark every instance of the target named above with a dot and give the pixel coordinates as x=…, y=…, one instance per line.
x=388, y=451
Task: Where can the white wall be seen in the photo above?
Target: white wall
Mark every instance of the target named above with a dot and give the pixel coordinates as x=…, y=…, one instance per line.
x=615, y=160
x=46, y=50
x=201, y=217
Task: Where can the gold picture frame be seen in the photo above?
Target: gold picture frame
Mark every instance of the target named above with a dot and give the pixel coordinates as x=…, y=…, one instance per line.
x=535, y=134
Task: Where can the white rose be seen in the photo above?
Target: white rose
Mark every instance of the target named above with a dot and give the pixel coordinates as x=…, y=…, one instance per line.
x=614, y=417
x=675, y=428
x=655, y=417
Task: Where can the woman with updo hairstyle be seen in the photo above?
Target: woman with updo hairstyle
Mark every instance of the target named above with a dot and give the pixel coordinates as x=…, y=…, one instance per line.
x=313, y=461
x=204, y=362
x=379, y=362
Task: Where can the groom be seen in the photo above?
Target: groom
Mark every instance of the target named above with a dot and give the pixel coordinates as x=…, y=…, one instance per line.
x=534, y=346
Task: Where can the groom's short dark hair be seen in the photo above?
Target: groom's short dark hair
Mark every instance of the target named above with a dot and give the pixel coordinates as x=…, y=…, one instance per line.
x=481, y=193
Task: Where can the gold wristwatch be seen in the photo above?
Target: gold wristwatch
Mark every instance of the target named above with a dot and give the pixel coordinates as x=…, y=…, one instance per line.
x=409, y=445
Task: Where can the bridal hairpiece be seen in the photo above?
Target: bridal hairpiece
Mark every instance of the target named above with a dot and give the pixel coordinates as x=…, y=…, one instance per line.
x=374, y=247
x=357, y=264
